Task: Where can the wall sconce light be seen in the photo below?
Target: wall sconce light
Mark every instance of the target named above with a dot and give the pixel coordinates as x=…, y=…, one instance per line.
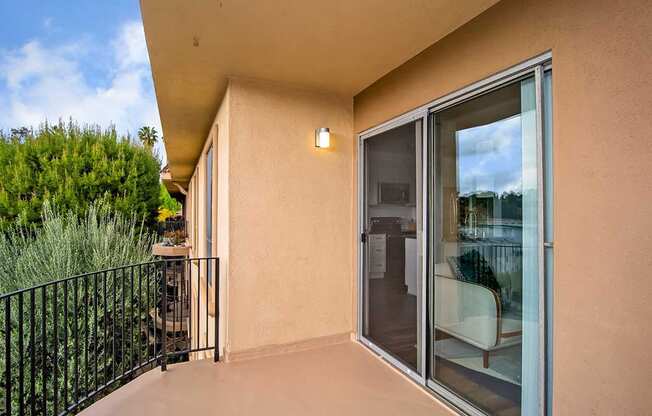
x=322, y=138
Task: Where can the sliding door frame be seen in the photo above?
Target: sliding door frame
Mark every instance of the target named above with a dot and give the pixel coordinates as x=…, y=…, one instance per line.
x=421, y=159
x=536, y=67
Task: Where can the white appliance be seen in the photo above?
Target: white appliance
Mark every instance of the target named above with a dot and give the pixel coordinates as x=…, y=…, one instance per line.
x=411, y=265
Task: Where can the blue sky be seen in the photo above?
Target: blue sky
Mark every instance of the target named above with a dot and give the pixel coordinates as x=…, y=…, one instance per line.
x=84, y=59
x=490, y=157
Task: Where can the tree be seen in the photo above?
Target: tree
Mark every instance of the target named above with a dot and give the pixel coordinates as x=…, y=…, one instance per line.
x=166, y=202
x=148, y=136
x=21, y=133
x=72, y=167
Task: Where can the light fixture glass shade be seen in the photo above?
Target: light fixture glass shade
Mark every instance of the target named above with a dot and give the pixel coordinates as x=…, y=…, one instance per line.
x=322, y=137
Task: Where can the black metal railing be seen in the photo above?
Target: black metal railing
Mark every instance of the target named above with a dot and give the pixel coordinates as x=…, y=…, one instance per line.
x=69, y=342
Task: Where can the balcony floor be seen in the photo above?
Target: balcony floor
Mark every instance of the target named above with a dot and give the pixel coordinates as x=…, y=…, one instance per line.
x=344, y=379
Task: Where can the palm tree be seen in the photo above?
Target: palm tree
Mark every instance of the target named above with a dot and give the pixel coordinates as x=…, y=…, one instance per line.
x=148, y=136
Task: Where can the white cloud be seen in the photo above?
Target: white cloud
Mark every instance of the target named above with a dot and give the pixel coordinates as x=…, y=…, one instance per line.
x=490, y=157
x=49, y=83
x=130, y=46
x=496, y=137
x=47, y=22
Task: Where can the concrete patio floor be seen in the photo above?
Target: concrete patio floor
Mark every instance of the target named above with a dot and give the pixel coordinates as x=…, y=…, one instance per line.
x=343, y=379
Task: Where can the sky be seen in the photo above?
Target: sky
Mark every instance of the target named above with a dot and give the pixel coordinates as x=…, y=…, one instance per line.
x=85, y=59
x=490, y=157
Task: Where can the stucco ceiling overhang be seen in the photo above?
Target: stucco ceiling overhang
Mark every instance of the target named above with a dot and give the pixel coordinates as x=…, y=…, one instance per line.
x=339, y=46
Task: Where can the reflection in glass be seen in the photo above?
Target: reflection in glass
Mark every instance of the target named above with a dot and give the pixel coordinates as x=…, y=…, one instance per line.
x=486, y=250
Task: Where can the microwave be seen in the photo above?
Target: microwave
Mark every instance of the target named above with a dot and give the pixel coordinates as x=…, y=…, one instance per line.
x=393, y=193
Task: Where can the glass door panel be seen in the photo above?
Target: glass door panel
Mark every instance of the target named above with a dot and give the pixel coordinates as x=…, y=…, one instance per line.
x=485, y=251
x=392, y=271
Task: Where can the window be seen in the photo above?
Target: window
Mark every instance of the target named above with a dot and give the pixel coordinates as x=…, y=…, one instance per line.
x=209, y=213
x=195, y=213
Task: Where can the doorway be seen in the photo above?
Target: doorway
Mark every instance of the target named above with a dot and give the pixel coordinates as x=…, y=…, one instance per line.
x=392, y=243
x=455, y=217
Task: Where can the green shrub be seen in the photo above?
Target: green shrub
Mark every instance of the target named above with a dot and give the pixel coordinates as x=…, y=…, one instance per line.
x=167, y=205
x=72, y=166
x=65, y=245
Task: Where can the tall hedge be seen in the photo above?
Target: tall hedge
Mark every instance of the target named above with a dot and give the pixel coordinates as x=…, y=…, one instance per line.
x=65, y=245
x=72, y=167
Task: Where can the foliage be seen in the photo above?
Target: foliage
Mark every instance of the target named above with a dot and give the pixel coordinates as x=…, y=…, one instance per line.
x=67, y=245
x=73, y=166
x=148, y=136
x=164, y=214
x=510, y=205
x=166, y=202
x=175, y=237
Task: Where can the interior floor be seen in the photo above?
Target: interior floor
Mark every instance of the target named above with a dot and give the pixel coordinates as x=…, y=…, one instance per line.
x=495, y=396
x=393, y=327
x=393, y=318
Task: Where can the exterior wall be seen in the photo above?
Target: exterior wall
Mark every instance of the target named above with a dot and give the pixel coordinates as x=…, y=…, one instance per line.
x=283, y=219
x=196, y=200
x=290, y=219
x=221, y=209
x=602, y=107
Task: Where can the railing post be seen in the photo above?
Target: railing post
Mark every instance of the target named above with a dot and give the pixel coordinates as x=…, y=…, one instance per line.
x=8, y=355
x=164, y=306
x=21, y=357
x=32, y=355
x=216, y=307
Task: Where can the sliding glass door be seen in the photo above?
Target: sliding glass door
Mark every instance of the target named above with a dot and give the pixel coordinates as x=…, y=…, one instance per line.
x=455, y=291
x=392, y=274
x=486, y=259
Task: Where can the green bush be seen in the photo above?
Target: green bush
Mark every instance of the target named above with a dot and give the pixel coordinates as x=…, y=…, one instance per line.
x=65, y=245
x=72, y=166
x=166, y=202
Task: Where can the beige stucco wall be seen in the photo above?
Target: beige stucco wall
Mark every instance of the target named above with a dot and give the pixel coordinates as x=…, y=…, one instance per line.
x=221, y=210
x=282, y=218
x=290, y=221
x=602, y=98
x=218, y=138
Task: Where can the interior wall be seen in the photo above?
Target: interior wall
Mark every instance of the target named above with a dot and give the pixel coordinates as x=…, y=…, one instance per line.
x=391, y=158
x=291, y=216
x=602, y=107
